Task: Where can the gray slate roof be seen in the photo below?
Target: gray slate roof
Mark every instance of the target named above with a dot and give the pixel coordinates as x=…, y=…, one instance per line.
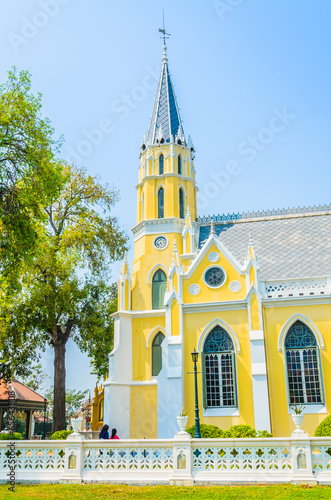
x=165, y=115
x=297, y=247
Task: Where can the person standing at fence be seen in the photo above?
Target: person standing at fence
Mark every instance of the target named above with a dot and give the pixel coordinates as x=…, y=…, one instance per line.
x=114, y=434
x=104, y=434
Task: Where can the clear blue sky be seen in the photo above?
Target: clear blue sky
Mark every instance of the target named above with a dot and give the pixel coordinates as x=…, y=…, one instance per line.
x=236, y=66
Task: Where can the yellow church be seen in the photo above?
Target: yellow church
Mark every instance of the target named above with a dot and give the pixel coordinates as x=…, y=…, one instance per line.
x=250, y=292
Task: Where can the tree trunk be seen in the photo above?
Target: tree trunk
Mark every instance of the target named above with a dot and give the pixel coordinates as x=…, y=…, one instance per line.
x=59, y=409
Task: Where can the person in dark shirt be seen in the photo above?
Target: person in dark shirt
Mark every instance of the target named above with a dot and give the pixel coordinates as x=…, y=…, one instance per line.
x=104, y=434
x=114, y=434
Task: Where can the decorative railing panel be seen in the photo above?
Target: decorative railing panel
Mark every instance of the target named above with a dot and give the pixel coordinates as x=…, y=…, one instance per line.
x=264, y=213
x=295, y=288
x=133, y=458
x=242, y=458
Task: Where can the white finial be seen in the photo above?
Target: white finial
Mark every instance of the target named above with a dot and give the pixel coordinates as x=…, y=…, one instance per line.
x=175, y=247
x=125, y=260
x=212, y=227
x=250, y=240
x=164, y=58
x=188, y=214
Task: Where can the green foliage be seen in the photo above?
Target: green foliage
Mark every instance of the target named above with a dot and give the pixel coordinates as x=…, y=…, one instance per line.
x=324, y=428
x=206, y=431
x=35, y=377
x=61, y=434
x=240, y=431
x=235, y=431
x=74, y=400
x=30, y=175
x=15, y=436
x=263, y=434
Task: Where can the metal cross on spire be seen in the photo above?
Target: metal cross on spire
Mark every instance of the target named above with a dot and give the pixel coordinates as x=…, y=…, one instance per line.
x=165, y=35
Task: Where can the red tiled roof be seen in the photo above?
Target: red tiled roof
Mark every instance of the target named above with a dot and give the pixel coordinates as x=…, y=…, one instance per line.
x=22, y=392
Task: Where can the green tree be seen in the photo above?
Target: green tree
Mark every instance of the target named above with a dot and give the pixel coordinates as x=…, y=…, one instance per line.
x=73, y=401
x=35, y=377
x=66, y=288
x=30, y=174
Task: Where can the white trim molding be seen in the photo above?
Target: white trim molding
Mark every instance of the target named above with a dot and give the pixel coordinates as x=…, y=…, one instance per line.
x=226, y=327
x=308, y=322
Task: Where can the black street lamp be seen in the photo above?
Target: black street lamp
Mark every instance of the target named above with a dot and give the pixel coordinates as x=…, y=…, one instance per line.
x=195, y=356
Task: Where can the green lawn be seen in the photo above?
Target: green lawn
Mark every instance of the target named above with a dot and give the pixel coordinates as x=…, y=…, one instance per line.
x=119, y=492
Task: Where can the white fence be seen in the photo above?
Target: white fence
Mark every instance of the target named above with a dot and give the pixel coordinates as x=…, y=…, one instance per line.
x=178, y=461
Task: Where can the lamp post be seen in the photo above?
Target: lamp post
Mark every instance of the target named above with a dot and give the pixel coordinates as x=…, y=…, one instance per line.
x=195, y=357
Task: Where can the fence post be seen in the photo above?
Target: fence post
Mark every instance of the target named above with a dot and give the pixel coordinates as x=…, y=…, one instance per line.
x=182, y=459
x=301, y=459
x=73, y=460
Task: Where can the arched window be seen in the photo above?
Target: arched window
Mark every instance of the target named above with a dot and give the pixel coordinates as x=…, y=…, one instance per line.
x=181, y=204
x=157, y=354
x=161, y=164
x=220, y=388
x=160, y=203
x=303, y=365
x=159, y=287
x=180, y=165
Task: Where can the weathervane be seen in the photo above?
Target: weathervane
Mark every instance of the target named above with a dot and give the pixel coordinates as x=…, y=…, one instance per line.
x=165, y=35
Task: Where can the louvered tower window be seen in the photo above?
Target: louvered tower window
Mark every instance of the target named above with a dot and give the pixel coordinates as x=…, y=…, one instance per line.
x=180, y=165
x=157, y=354
x=159, y=287
x=219, y=373
x=303, y=365
x=181, y=204
x=160, y=203
x=161, y=164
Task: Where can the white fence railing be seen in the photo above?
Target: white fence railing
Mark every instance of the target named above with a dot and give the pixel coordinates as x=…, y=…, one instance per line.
x=178, y=461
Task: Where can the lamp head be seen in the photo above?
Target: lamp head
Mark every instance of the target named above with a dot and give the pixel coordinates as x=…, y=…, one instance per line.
x=195, y=356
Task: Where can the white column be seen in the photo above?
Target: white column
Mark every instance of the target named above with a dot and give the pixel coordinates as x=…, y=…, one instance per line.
x=259, y=381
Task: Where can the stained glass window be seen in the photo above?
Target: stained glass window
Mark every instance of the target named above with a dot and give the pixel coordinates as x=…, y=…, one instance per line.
x=181, y=204
x=160, y=203
x=159, y=287
x=157, y=354
x=219, y=370
x=161, y=164
x=303, y=365
x=180, y=165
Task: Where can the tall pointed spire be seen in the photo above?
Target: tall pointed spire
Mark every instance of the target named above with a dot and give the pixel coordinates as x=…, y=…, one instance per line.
x=165, y=115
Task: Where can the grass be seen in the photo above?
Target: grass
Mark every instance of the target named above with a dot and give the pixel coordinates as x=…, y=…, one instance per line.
x=124, y=492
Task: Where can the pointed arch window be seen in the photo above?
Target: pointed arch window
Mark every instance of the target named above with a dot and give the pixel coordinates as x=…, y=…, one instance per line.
x=161, y=164
x=304, y=375
x=181, y=203
x=159, y=287
x=157, y=354
x=160, y=203
x=179, y=164
x=219, y=370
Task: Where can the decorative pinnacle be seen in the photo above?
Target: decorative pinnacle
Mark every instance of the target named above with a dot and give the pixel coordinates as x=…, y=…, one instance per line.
x=212, y=227
x=164, y=58
x=188, y=213
x=250, y=240
x=175, y=247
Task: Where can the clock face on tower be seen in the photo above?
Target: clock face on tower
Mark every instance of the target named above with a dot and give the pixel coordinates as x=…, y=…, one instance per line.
x=214, y=277
x=160, y=242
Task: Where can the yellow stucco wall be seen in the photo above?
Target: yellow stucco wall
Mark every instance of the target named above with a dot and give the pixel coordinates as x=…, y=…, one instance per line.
x=143, y=414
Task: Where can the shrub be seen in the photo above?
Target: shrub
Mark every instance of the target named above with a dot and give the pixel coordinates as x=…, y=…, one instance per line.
x=11, y=437
x=61, y=434
x=324, y=428
x=240, y=431
x=263, y=434
x=206, y=431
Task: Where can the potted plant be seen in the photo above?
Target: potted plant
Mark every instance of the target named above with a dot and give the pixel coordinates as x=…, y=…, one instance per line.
x=182, y=419
x=297, y=415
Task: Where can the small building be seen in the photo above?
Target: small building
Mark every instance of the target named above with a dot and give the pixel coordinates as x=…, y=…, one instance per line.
x=25, y=400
